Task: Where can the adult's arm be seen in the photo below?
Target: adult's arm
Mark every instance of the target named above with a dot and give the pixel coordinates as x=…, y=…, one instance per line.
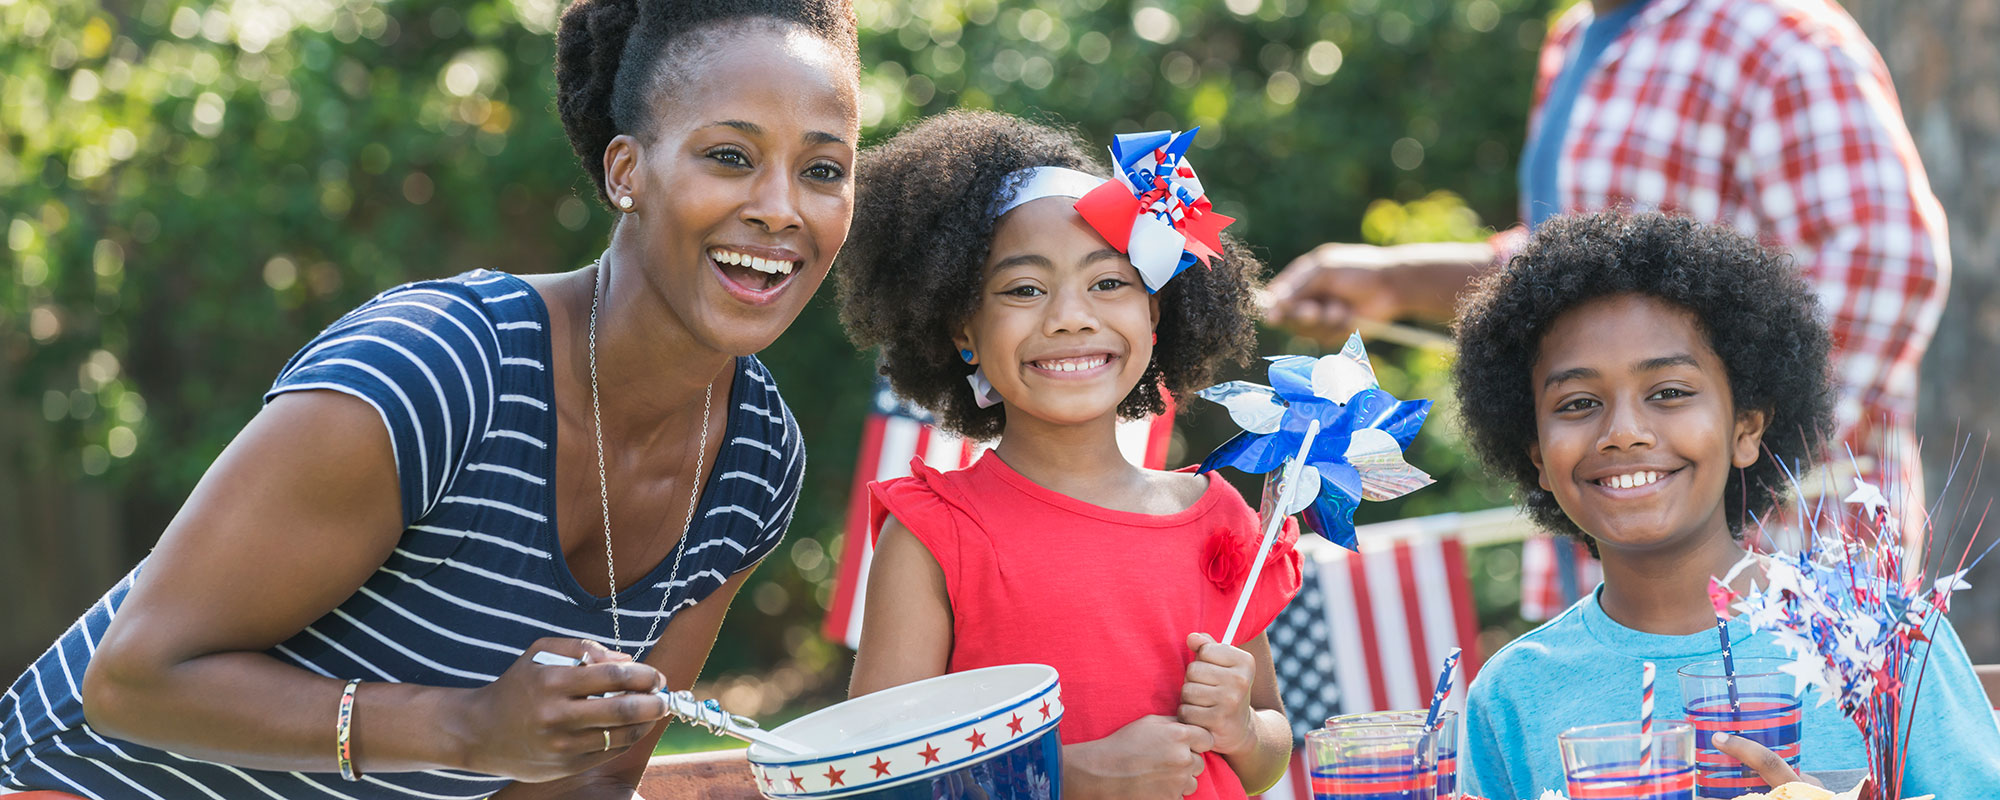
x=1835, y=177
x=1327, y=292
x=297, y=512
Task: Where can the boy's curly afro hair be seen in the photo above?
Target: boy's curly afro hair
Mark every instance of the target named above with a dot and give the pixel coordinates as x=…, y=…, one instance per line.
x=911, y=269
x=1759, y=316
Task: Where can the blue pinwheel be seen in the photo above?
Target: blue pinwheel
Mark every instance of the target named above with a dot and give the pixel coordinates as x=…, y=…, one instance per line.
x=1356, y=454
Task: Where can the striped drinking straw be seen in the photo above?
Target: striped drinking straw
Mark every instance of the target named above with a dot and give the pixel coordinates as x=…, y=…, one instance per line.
x=1443, y=690
x=1646, y=716
x=1728, y=664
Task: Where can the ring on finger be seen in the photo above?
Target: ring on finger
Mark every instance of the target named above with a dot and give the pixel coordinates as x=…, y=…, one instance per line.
x=607, y=740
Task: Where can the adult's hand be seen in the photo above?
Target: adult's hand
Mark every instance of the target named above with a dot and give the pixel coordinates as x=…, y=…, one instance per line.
x=684, y=648
x=1760, y=759
x=1324, y=293
x=1327, y=293
x=542, y=722
x=1152, y=756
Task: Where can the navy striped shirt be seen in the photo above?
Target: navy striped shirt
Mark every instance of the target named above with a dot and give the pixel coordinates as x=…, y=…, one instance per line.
x=459, y=370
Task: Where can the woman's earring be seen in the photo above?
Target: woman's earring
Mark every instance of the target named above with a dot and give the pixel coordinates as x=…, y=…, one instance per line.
x=625, y=203
x=965, y=354
x=1156, y=337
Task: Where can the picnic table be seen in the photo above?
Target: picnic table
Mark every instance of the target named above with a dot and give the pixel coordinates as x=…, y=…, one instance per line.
x=718, y=775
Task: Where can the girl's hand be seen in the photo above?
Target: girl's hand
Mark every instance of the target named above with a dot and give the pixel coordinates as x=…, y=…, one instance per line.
x=539, y=722
x=1216, y=694
x=1151, y=757
x=1768, y=766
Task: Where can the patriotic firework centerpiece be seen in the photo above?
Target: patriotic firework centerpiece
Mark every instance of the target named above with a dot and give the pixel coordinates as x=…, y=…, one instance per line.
x=1851, y=616
x=1327, y=436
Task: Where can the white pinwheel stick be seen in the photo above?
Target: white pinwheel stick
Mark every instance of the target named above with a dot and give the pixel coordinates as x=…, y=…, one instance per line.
x=706, y=714
x=1292, y=470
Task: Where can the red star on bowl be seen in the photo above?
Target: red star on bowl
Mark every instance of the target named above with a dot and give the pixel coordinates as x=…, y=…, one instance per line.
x=881, y=767
x=1015, y=725
x=833, y=777
x=977, y=740
x=768, y=783
x=930, y=753
x=1045, y=709
x=798, y=783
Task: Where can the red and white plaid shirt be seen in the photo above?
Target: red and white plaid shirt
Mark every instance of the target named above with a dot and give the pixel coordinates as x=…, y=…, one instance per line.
x=1776, y=117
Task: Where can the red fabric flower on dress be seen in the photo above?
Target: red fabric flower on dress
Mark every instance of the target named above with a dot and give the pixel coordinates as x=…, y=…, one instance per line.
x=1225, y=560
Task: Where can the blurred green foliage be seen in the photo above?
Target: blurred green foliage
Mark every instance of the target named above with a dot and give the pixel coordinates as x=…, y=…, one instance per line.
x=190, y=190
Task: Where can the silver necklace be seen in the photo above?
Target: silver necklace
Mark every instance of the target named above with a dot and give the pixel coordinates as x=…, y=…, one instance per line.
x=604, y=492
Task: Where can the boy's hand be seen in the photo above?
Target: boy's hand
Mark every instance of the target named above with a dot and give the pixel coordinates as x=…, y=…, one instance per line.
x=1216, y=694
x=1151, y=757
x=1760, y=759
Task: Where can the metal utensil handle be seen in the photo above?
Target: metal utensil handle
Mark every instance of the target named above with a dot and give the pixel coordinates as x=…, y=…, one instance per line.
x=709, y=714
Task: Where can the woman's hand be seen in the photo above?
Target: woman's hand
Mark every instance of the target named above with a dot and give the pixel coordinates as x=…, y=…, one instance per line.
x=1216, y=694
x=540, y=722
x=1760, y=759
x=1152, y=756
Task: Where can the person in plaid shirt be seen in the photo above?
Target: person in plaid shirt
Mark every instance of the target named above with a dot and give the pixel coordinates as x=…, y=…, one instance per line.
x=1776, y=117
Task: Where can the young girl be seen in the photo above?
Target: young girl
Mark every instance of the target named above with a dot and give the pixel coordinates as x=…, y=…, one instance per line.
x=1640, y=379
x=1002, y=310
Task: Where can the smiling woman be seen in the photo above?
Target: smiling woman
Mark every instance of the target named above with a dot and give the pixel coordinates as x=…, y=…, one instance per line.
x=463, y=472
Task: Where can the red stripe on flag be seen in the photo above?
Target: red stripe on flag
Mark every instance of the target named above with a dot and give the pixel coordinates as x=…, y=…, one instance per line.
x=854, y=547
x=1364, y=613
x=1461, y=603
x=924, y=435
x=1302, y=774
x=1413, y=619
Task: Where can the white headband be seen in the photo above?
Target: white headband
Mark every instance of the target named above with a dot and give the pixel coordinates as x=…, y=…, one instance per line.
x=1035, y=183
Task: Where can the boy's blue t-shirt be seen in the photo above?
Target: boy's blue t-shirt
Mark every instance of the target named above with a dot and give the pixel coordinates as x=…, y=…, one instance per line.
x=1582, y=668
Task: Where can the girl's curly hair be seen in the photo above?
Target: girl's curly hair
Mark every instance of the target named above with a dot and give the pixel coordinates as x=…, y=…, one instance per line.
x=1757, y=312
x=910, y=272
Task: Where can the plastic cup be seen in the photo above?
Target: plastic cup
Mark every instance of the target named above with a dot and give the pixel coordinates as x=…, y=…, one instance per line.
x=1606, y=762
x=1767, y=711
x=1372, y=761
x=1446, y=741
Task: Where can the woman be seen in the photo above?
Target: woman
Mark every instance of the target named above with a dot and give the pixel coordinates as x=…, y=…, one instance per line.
x=465, y=472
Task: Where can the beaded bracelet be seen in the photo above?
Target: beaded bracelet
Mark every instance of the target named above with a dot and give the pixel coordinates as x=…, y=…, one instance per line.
x=342, y=733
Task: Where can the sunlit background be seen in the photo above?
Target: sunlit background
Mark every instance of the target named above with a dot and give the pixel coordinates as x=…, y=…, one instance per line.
x=191, y=190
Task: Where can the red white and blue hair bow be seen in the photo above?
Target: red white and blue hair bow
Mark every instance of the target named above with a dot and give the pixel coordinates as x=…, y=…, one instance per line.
x=1154, y=210
x=1351, y=432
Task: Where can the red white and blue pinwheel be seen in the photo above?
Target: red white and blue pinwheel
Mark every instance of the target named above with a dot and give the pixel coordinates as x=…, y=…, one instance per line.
x=1154, y=209
x=1351, y=432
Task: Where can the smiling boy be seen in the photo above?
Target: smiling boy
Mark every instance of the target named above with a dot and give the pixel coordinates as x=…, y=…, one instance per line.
x=1641, y=379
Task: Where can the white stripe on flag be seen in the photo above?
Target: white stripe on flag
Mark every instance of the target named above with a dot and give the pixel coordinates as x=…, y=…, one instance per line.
x=1392, y=633
x=944, y=452
x=1435, y=596
x=1350, y=663
x=1133, y=436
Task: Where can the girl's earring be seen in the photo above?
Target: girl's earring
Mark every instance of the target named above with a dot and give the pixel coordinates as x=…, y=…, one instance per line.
x=1156, y=337
x=966, y=355
x=625, y=203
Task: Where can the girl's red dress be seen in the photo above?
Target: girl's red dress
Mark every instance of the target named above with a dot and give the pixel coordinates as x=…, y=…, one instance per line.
x=1106, y=597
